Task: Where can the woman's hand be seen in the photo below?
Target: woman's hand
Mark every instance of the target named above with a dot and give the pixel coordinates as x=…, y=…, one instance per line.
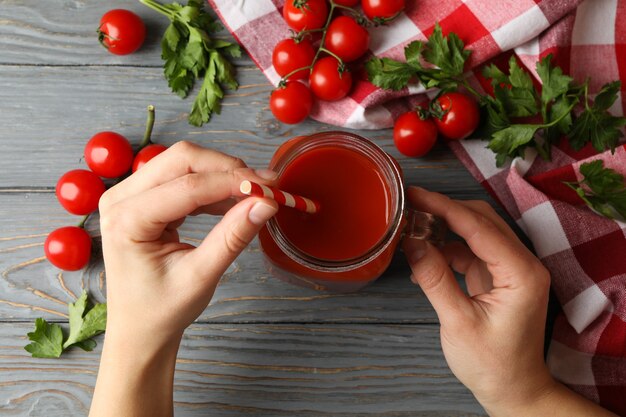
x=492, y=339
x=156, y=285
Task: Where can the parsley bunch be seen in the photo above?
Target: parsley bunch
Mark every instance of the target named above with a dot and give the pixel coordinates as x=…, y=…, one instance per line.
x=49, y=341
x=190, y=53
x=439, y=63
x=515, y=96
x=602, y=189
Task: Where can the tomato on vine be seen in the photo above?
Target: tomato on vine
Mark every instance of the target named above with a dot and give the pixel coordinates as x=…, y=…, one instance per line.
x=456, y=115
x=79, y=191
x=146, y=154
x=68, y=248
x=292, y=102
x=330, y=80
x=109, y=154
x=121, y=31
x=347, y=39
x=305, y=14
x=414, y=134
x=381, y=11
x=289, y=55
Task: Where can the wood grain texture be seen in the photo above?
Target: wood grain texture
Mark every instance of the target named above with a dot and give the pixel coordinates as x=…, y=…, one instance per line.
x=63, y=32
x=261, y=370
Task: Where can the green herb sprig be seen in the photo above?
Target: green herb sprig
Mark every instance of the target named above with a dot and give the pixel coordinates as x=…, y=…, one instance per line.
x=190, y=53
x=49, y=341
x=602, y=189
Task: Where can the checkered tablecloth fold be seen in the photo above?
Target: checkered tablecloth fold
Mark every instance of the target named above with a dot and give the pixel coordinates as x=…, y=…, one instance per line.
x=585, y=253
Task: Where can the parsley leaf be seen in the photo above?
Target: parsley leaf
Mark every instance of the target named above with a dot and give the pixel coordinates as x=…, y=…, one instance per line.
x=389, y=74
x=84, y=322
x=190, y=53
x=602, y=189
x=596, y=125
x=515, y=91
x=446, y=56
x=511, y=141
x=447, y=53
x=554, y=82
x=48, y=340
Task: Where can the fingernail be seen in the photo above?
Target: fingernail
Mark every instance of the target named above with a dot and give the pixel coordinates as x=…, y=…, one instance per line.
x=261, y=212
x=414, y=280
x=415, y=250
x=266, y=174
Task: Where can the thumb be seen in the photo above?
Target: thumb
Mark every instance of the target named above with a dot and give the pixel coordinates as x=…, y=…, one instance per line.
x=229, y=238
x=431, y=272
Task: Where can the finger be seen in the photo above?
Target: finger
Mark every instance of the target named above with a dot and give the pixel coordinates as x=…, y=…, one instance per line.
x=227, y=240
x=430, y=270
x=217, y=209
x=481, y=234
x=485, y=209
x=180, y=159
x=458, y=256
x=478, y=279
x=143, y=218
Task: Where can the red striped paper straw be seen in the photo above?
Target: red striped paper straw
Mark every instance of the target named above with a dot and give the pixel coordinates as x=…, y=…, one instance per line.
x=281, y=197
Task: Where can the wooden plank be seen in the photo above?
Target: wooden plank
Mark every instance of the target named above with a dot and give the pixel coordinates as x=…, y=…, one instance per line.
x=63, y=32
x=261, y=370
x=55, y=110
x=30, y=287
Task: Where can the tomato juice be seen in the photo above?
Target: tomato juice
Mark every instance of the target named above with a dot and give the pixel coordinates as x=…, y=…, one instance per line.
x=351, y=240
x=354, y=199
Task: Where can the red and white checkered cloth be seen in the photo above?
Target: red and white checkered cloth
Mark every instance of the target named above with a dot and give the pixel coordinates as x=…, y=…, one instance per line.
x=585, y=253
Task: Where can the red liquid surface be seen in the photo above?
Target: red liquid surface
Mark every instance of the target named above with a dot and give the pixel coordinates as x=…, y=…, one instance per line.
x=354, y=198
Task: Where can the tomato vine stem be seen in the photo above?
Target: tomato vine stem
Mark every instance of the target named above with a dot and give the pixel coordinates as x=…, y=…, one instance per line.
x=149, y=125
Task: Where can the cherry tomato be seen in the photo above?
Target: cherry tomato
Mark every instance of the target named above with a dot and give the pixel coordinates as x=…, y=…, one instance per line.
x=68, y=248
x=328, y=82
x=79, y=191
x=305, y=14
x=290, y=55
x=121, y=31
x=347, y=39
x=292, y=103
x=108, y=154
x=146, y=154
x=382, y=10
x=349, y=3
x=414, y=136
x=461, y=117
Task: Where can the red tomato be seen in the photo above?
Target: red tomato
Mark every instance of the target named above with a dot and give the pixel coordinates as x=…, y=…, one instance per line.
x=79, y=191
x=305, y=14
x=382, y=10
x=146, y=154
x=68, y=248
x=414, y=136
x=347, y=39
x=349, y=3
x=121, y=31
x=290, y=55
x=108, y=154
x=292, y=103
x=462, y=116
x=327, y=82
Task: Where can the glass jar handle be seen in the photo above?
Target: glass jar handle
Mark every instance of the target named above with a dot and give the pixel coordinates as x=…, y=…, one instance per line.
x=425, y=226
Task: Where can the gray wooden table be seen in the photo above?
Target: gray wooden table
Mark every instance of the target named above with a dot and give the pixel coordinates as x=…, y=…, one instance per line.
x=263, y=347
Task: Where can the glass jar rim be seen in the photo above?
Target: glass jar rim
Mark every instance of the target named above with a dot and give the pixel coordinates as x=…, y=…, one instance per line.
x=393, y=177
